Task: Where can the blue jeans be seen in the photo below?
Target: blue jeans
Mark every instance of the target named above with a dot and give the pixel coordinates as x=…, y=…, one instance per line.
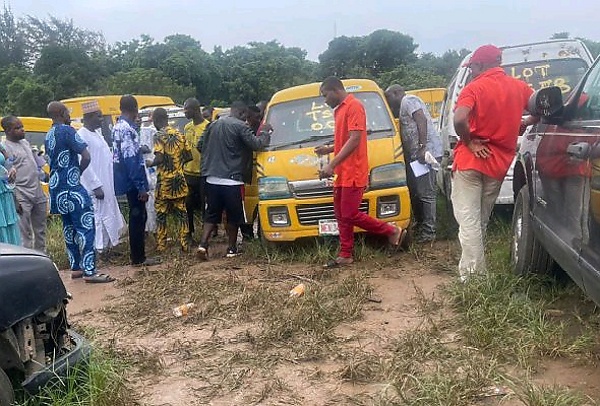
x=423, y=198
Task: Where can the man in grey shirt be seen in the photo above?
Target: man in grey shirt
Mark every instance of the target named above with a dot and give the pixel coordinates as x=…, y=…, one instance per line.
x=33, y=203
x=419, y=137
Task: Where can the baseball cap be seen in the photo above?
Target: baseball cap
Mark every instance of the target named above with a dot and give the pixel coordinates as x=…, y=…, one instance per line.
x=486, y=54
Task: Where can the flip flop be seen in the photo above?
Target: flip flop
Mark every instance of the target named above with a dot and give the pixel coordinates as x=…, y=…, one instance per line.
x=334, y=263
x=76, y=274
x=401, y=237
x=99, y=278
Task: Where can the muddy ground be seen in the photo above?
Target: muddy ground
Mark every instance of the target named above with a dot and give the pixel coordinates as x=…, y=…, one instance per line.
x=214, y=356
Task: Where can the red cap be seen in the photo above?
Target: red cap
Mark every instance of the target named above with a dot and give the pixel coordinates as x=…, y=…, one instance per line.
x=486, y=54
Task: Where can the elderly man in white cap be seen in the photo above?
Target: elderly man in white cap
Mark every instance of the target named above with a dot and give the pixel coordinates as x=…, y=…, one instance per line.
x=99, y=182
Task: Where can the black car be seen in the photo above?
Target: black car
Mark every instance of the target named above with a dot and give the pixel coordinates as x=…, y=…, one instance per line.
x=36, y=344
x=556, y=182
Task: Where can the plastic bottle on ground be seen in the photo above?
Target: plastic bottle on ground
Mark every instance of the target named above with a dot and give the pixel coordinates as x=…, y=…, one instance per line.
x=298, y=290
x=182, y=310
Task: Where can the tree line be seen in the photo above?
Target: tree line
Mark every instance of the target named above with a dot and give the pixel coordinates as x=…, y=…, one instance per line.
x=52, y=59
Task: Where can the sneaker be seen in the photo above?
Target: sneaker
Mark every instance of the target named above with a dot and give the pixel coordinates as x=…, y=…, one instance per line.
x=153, y=261
x=202, y=253
x=232, y=252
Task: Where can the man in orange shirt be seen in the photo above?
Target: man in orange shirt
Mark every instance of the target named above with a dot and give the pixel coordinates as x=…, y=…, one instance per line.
x=487, y=119
x=351, y=167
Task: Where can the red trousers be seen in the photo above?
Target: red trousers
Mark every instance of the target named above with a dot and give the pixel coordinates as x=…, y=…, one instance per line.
x=346, y=202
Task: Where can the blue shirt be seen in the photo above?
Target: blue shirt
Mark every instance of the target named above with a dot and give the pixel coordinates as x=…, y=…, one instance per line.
x=63, y=145
x=128, y=161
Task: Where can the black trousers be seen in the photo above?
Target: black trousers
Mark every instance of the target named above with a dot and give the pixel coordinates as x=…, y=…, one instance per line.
x=195, y=199
x=137, y=226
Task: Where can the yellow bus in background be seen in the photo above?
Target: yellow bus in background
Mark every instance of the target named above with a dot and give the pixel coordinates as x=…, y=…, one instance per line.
x=35, y=130
x=109, y=104
x=433, y=98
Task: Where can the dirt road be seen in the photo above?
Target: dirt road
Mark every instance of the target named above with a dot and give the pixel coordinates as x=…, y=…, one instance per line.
x=246, y=342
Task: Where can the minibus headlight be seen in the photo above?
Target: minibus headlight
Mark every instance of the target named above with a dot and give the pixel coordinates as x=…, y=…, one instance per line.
x=273, y=188
x=385, y=176
x=278, y=216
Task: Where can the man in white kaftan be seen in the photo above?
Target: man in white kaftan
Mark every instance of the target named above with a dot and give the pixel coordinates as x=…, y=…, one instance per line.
x=99, y=182
x=147, y=133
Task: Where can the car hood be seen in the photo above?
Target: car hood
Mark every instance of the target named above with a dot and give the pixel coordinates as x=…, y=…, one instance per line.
x=29, y=285
x=9, y=249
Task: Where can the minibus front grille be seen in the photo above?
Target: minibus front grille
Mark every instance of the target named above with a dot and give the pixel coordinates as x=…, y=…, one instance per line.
x=310, y=214
x=316, y=192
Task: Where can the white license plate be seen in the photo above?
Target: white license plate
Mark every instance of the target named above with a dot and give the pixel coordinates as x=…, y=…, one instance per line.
x=328, y=227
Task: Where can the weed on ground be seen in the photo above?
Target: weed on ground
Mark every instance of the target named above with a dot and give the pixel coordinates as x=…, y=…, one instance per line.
x=100, y=382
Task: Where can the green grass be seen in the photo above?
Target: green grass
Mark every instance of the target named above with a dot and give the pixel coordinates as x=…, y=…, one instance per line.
x=314, y=250
x=100, y=382
x=55, y=242
x=503, y=311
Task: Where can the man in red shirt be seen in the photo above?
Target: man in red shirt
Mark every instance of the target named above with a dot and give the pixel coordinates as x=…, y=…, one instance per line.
x=351, y=167
x=487, y=119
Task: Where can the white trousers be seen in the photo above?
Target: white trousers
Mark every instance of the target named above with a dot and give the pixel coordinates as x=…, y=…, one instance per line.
x=473, y=198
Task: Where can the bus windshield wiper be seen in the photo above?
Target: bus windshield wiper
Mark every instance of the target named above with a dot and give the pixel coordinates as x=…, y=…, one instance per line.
x=298, y=142
x=383, y=130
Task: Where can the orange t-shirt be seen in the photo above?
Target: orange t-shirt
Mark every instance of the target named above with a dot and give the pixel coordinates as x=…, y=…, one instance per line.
x=497, y=102
x=354, y=170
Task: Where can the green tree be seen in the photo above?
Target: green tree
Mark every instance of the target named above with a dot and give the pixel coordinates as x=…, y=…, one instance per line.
x=444, y=65
x=560, y=35
x=145, y=81
x=67, y=71
x=12, y=41
x=384, y=50
x=411, y=77
x=40, y=34
x=28, y=97
x=179, y=57
x=341, y=58
x=256, y=71
x=7, y=76
x=367, y=56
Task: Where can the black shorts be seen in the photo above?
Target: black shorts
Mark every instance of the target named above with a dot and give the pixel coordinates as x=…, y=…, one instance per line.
x=224, y=197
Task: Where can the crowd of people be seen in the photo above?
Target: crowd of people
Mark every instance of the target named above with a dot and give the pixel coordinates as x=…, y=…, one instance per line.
x=203, y=170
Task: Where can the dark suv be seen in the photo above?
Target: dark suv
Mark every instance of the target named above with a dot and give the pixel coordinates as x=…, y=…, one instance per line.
x=36, y=344
x=557, y=186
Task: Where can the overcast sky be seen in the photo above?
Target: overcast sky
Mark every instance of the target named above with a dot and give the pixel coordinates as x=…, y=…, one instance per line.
x=436, y=25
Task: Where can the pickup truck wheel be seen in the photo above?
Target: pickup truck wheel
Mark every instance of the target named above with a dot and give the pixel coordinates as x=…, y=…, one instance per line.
x=7, y=394
x=526, y=254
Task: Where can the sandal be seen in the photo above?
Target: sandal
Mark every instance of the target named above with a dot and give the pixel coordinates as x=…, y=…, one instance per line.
x=401, y=236
x=99, y=278
x=338, y=263
x=76, y=274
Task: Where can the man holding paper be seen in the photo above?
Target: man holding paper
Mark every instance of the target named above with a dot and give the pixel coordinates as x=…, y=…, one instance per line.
x=422, y=147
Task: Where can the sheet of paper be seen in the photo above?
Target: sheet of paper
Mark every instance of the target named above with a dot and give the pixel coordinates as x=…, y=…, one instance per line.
x=418, y=168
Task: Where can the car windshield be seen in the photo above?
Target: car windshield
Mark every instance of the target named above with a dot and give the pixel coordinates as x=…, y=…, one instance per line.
x=564, y=73
x=310, y=120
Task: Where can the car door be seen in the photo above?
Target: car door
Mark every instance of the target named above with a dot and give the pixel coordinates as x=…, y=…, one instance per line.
x=560, y=190
x=587, y=122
